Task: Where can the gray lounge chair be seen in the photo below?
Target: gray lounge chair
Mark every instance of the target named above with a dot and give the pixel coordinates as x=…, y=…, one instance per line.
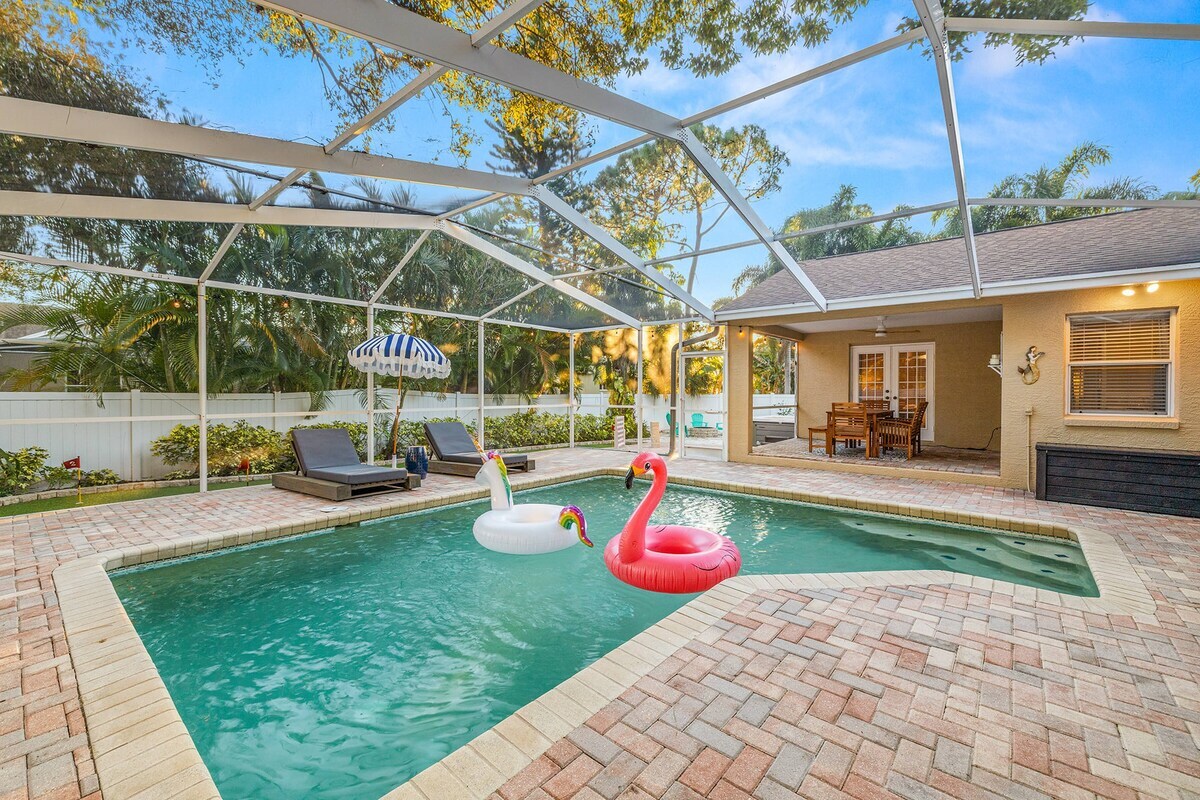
x=456, y=453
x=328, y=467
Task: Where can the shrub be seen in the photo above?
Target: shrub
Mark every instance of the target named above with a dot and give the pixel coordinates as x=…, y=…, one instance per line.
x=536, y=428
x=58, y=477
x=99, y=477
x=21, y=469
x=267, y=450
x=228, y=445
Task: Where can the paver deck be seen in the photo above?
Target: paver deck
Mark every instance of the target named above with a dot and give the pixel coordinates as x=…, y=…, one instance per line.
x=925, y=691
x=933, y=457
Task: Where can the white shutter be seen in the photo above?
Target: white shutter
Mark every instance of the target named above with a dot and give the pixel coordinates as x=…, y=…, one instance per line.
x=1120, y=363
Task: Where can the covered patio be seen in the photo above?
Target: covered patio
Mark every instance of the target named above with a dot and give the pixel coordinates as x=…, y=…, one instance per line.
x=898, y=361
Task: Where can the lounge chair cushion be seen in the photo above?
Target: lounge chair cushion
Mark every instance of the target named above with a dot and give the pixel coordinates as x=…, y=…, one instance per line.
x=317, y=448
x=451, y=442
x=359, y=474
x=449, y=438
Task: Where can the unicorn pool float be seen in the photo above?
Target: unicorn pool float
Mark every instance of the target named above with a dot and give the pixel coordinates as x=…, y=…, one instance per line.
x=667, y=558
x=525, y=529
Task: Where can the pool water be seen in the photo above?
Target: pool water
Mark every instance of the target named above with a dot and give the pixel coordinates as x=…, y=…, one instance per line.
x=339, y=665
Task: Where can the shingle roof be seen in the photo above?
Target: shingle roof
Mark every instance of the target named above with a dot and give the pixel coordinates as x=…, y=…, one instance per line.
x=1121, y=241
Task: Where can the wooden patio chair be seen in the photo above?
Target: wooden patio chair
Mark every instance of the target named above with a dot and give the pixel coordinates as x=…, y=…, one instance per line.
x=903, y=433
x=847, y=422
x=824, y=431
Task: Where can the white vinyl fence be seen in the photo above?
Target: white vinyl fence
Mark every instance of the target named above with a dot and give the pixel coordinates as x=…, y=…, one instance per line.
x=118, y=435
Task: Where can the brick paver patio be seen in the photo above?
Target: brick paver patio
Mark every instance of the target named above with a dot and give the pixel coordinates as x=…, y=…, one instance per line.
x=913, y=692
x=932, y=457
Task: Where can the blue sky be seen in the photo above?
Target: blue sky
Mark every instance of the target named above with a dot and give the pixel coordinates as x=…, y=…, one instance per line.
x=877, y=125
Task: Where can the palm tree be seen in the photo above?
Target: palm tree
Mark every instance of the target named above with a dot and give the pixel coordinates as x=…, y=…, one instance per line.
x=1067, y=179
x=843, y=207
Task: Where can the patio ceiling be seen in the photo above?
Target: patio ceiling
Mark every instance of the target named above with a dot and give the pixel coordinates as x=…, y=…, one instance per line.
x=951, y=316
x=445, y=49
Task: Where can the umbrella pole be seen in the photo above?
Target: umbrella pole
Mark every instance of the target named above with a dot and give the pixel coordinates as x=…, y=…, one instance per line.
x=396, y=419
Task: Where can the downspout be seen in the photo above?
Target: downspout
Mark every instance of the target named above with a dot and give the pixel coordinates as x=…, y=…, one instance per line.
x=676, y=422
x=1029, y=448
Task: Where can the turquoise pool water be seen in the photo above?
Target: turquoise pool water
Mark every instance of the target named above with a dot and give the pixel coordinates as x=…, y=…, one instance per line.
x=339, y=665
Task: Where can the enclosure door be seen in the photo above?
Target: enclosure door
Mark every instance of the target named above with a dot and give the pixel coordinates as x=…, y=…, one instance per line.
x=902, y=374
x=703, y=413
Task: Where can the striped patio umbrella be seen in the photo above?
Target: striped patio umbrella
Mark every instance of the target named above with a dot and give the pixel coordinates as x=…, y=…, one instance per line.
x=400, y=356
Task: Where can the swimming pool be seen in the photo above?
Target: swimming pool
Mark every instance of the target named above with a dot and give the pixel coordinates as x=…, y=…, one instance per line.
x=340, y=665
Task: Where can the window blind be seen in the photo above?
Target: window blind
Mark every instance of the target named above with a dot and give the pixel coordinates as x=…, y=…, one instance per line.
x=1120, y=363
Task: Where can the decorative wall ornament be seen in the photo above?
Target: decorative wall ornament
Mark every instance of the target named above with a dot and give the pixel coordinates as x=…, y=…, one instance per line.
x=1030, y=373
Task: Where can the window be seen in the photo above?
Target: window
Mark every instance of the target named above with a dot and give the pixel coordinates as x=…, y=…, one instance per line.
x=1121, y=363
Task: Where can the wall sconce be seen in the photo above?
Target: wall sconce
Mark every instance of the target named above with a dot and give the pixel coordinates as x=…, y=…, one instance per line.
x=994, y=364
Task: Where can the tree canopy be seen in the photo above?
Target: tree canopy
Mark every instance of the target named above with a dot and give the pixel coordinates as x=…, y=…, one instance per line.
x=595, y=40
x=649, y=188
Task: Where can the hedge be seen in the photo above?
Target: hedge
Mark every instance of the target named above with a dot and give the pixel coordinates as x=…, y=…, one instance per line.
x=270, y=451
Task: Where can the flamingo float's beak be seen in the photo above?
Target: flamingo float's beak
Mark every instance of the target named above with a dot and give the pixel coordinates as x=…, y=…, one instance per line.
x=635, y=469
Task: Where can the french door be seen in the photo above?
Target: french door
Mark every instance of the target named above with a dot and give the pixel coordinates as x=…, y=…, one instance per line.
x=902, y=374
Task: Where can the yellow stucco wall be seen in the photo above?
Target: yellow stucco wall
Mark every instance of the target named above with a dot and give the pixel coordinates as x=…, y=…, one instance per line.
x=1041, y=320
x=1032, y=319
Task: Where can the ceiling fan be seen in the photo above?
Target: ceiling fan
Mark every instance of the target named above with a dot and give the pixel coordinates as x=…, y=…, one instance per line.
x=881, y=330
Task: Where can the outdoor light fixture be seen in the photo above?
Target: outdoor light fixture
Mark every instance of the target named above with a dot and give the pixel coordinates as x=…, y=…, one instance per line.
x=176, y=303
x=994, y=364
x=1130, y=291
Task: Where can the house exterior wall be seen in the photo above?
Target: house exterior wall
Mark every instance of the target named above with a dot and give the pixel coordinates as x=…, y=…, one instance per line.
x=1041, y=320
x=1030, y=319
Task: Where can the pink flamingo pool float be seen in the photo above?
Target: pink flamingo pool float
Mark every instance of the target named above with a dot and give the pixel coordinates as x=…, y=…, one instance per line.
x=667, y=558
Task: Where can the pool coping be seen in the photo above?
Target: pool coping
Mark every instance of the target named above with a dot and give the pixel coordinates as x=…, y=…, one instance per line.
x=143, y=750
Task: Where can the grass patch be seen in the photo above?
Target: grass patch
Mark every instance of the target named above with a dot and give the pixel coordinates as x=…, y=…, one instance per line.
x=115, y=496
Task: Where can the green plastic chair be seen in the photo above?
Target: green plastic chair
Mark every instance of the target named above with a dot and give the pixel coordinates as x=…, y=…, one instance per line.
x=698, y=421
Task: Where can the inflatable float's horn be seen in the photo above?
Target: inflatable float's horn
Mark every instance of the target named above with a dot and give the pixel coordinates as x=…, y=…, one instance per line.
x=572, y=515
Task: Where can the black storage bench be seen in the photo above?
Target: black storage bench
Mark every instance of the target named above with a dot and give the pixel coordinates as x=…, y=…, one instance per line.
x=1158, y=481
